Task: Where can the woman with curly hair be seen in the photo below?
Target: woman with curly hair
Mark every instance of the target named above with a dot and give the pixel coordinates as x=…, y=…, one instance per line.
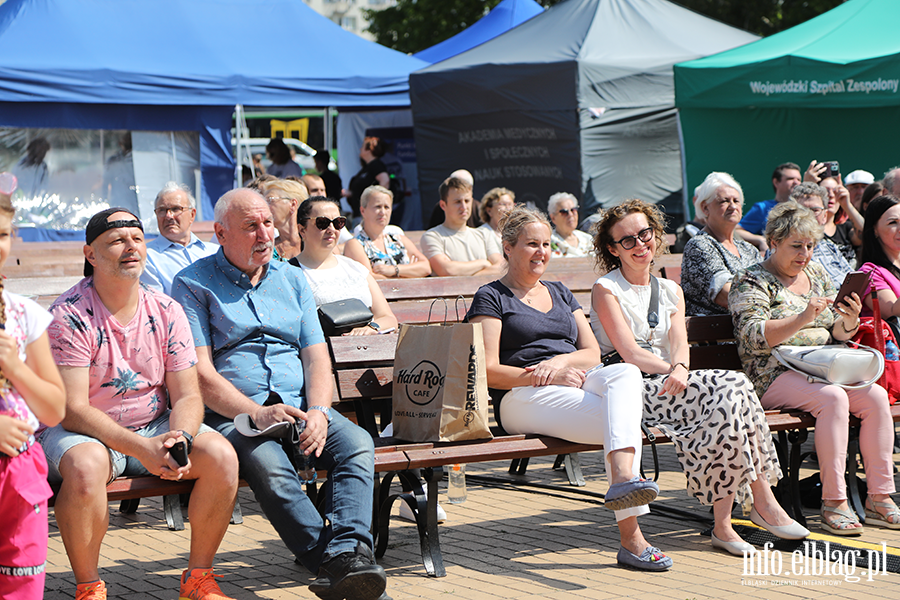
x=712, y=415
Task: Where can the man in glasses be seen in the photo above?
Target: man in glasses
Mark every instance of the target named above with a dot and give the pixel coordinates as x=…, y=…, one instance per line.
x=454, y=248
x=261, y=353
x=826, y=253
x=176, y=247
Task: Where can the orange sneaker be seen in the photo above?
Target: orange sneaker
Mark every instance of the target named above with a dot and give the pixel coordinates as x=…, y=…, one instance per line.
x=91, y=591
x=200, y=584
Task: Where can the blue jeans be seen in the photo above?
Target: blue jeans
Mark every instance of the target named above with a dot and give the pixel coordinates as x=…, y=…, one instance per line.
x=349, y=457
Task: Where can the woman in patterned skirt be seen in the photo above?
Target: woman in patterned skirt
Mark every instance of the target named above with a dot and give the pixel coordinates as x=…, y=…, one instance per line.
x=713, y=416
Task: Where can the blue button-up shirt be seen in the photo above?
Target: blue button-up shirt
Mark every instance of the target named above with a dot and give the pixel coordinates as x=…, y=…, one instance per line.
x=255, y=332
x=165, y=259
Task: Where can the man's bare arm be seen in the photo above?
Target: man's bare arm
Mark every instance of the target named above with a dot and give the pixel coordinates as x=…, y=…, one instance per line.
x=184, y=396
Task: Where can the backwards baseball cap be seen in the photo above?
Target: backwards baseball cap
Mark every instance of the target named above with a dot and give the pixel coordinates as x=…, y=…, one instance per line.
x=859, y=176
x=100, y=223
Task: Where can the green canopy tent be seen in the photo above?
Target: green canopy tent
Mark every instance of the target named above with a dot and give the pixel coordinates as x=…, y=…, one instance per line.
x=826, y=90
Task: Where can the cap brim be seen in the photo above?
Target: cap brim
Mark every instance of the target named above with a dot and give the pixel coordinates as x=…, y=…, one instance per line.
x=247, y=428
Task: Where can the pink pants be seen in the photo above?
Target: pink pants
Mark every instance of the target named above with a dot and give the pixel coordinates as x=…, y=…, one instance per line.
x=23, y=529
x=832, y=406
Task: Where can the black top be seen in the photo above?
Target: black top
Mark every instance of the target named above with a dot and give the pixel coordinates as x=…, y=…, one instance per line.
x=528, y=336
x=841, y=238
x=366, y=177
x=332, y=183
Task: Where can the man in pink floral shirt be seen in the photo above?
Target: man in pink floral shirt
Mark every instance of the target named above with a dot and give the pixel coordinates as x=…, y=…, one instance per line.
x=125, y=353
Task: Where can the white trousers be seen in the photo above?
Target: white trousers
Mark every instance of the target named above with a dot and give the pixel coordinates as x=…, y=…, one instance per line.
x=605, y=410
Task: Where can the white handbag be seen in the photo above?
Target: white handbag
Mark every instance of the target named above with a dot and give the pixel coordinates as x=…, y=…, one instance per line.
x=836, y=364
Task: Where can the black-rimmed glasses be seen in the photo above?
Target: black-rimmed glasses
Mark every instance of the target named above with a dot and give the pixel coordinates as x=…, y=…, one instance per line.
x=338, y=222
x=630, y=241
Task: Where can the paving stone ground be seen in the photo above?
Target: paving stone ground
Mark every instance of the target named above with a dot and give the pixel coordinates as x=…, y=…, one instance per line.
x=500, y=544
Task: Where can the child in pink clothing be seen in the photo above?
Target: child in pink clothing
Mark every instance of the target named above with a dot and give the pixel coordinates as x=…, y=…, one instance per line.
x=31, y=392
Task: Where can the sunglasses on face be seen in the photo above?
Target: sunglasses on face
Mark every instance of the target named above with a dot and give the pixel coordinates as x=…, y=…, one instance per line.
x=338, y=222
x=565, y=211
x=630, y=241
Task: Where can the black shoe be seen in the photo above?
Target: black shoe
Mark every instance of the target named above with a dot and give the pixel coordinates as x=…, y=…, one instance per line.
x=351, y=576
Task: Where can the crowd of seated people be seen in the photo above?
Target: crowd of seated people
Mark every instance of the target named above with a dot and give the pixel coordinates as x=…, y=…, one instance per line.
x=551, y=369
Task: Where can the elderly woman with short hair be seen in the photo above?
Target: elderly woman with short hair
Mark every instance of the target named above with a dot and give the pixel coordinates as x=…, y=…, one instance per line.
x=715, y=254
x=381, y=247
x=826, y=253
x=567, y=241
x=284, y=197
x=787, y=300
x=496, y=203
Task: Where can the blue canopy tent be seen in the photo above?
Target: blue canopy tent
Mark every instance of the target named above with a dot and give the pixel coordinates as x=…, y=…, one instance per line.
x=170, y=65
x=502, y=18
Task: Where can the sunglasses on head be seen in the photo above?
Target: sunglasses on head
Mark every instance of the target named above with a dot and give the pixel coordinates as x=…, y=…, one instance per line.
x=323, y=223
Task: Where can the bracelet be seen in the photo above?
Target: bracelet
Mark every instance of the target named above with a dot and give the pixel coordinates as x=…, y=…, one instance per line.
x=679, y=363
x=396, y=271
x=852, y=329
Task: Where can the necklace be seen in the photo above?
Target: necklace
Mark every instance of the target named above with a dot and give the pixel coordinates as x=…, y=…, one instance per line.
x=525, y=297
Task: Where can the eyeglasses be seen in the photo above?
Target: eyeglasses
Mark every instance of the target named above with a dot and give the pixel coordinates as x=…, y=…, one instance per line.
x=175, y=211
x=565, y=211
x=816, y=209
x=271, y=199
x=630, y=241
x=323, y=223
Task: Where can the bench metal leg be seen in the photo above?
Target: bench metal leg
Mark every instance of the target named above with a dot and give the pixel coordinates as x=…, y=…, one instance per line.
x=572, y=465
x=424, y=507
x=788, y=446
x=174, y=518
x=129, y=507
x=518, y=466
x=853, y=496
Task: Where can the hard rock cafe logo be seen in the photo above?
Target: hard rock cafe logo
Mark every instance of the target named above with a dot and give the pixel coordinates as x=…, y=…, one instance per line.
x=423, y=382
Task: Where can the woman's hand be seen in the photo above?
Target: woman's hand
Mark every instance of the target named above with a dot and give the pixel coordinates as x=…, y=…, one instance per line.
x=815, y=307
x=555, y=372
x=384, y=270
x=676, y=382
x=814, y=172
x=364, y=330
x=849, y=309
x=10, y=362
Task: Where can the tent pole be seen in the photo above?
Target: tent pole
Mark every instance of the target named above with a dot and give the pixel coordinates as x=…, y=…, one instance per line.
x=684, y=180
x=329, y=133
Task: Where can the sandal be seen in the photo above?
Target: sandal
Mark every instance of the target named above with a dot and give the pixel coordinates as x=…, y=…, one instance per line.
x=842, y=524
x=890, y=519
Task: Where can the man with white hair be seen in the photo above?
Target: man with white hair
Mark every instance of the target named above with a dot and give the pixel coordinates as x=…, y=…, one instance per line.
x=176, y=247
x=261, y=354
x=892, y=181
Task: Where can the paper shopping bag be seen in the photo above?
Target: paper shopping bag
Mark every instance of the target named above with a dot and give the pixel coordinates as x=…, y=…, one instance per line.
x=440, y=383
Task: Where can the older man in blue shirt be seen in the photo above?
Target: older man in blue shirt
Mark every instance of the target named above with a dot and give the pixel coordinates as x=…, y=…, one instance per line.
x=258, y=339
x=176, y=247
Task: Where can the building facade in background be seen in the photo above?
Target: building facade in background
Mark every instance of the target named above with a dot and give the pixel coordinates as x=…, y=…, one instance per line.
x=349, y=13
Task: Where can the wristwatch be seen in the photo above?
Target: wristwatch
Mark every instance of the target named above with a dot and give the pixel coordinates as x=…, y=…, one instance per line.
x=189, y=438
x=324, y=410
x=374, y=325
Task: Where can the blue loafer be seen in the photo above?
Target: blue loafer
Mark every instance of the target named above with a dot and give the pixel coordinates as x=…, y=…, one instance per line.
x=651, y=559
x=628, y=494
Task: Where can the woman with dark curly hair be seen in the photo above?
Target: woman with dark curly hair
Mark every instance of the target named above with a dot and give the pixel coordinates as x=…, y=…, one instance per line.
x=712, y=415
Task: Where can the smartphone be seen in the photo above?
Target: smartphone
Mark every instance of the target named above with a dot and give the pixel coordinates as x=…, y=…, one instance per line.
x=857, y=281
x=179, y=453
x=832, y=169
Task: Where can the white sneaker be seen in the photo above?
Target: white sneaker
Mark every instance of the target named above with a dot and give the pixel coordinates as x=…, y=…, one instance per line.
x=406, y=513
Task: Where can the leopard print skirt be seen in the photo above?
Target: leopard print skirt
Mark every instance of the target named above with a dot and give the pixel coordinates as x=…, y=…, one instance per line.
x=719, y=430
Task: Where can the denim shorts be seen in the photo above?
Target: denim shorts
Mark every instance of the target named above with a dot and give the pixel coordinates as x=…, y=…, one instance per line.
x=57, y=441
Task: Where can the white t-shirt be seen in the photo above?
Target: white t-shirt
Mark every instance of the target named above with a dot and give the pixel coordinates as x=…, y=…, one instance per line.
x=26, y=321
x=635, y=301
x=347, y=279
x=459, y=246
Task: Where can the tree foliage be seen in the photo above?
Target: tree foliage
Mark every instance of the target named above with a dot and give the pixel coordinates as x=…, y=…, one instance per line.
x=414, y=25
x=762, y=17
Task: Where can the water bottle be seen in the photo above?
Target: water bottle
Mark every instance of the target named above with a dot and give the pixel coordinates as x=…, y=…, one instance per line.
x=456, y=487
x=306, y=464
x=890, y=351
